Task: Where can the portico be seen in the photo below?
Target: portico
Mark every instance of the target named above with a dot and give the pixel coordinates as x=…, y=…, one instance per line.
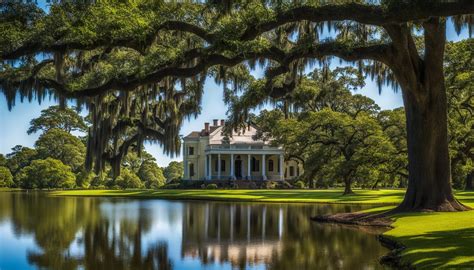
x=244, y=163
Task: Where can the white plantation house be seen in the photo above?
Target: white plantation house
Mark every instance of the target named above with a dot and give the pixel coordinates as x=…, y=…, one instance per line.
x=209, y=155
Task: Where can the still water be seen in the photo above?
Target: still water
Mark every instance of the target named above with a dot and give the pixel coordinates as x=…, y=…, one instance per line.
x=40, y=231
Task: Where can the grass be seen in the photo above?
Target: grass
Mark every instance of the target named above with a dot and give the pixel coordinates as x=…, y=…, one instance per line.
x=386, y=197
x=433, y=240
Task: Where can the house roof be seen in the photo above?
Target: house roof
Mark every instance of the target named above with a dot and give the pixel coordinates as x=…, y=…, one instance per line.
x=193, y=135
x=216, y=137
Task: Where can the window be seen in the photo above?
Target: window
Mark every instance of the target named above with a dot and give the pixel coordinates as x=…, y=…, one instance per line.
x=191, y=151
x=223, y=165
x=254, y=165
x=292, y=171
x=270, y=165
x=191, y=169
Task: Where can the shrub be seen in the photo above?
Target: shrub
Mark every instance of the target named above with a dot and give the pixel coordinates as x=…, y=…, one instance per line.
x=284, y=185
x=270, y=185
x=211, y=186
x=6, y=177
x=128, y=179
x=300, y=184
x=170, y=186
x=46, y=173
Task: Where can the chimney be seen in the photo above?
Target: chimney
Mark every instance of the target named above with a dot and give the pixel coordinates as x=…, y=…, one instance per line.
x=222, y=122
x=206, y=127
x=215, y=122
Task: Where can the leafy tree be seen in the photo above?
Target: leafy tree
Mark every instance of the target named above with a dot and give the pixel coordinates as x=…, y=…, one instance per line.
x=174, y=171
x=124, y=66
x=56, y=117
x=59, y=144
x=46, y=173
x=349, y=145
x=6, y=177
x=393, y=125
x=152, y=175
x=128, y=179
x=459, y=66
x=20, y=157
x=3, y=160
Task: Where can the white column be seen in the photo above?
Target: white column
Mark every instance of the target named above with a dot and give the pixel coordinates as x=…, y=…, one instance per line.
x=249, y=173
x=232, y=175
x=206, y=173
x=186, y=170
x=209, y=167
x=219, y=167
x=281, y=167
x=264, y=173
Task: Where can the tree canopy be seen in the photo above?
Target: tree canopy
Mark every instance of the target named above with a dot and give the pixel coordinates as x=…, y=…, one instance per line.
x=46, y=173
x=139, y=66
x=55, y=117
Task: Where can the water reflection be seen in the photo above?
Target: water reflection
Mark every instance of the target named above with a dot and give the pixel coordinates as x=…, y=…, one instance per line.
x=39, y=231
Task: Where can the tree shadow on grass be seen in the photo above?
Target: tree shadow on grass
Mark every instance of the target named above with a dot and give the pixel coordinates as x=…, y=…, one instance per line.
x=440, y=249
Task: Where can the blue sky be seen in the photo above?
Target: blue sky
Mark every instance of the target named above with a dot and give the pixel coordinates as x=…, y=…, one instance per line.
x=14, y=123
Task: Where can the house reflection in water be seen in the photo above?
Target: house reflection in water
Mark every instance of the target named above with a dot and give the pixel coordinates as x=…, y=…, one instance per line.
x=242, y=234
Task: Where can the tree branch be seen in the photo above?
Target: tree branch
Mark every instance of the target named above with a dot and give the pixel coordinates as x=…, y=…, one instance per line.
x=366, y=14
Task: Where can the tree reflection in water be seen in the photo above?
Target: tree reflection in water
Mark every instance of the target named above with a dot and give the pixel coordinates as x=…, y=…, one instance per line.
x=98, y=233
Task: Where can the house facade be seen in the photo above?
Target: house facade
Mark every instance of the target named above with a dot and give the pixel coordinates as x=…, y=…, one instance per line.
x=209, y=155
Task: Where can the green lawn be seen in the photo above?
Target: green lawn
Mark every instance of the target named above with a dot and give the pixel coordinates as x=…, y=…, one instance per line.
x=390, y=197
x=433, y=240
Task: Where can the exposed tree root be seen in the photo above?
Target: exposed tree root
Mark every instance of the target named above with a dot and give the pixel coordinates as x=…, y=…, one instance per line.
x=361, y=219
x=393, y=258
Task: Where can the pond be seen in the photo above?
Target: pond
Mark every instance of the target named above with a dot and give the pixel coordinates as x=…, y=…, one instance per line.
x=41, y=231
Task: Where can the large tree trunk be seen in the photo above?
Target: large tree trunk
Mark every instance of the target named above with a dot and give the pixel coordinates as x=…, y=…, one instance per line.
x=424, y=96
x=429, y=181
x=347, y=186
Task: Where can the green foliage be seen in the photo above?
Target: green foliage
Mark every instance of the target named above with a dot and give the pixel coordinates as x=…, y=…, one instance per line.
x=65, y=119
x=6, y=177
x=3, y=160
x=270, y=185
x=46, y=173
x=19, y=158
x=128, y=179
x=174, y=171
x=300, y=184
x=151, y=175
x=59, y=144
x=336, y=134
x=171, y=186
x=84, y=178
x=459, y=72
x=211, y=186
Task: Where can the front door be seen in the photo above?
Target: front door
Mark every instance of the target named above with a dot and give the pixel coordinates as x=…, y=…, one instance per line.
x=238, y=169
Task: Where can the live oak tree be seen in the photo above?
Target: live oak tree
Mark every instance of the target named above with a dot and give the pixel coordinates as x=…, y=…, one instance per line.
x=136, y=50
x=20, y=157
x=6, y=177
x=174, y=171
x=394, y=126
x=459, y=73
x=46, y=173
x=59, y=144
x=65, y=119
